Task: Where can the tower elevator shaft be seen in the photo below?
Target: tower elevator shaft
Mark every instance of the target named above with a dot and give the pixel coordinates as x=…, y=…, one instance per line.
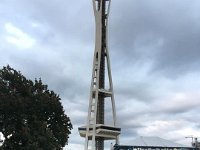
x=101, y=101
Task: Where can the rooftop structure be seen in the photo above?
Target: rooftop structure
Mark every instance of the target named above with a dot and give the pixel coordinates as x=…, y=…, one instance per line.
x=144, y=143
x=154, y=142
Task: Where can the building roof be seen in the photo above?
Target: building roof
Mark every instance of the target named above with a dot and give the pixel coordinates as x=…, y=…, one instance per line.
x=154, y=142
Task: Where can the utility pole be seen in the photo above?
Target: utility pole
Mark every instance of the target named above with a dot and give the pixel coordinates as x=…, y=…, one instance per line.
x=96, y=131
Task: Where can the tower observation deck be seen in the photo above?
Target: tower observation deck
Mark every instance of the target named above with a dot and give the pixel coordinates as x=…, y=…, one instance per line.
x=96, y=131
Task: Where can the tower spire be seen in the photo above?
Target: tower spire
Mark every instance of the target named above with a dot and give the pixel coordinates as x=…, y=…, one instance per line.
x=96, y=130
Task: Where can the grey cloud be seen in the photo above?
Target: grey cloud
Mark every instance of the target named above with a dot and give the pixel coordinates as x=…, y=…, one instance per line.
x=64, y=19
x=131, y=125
x=198, y=126
x=59, y=17
x=151, y=31
x=137, y=91
x=191, y=116
x=177, y=107
x=128, y=133
x=52, y=74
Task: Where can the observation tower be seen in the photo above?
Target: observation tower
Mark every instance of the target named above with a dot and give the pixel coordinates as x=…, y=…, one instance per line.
x=96, y=131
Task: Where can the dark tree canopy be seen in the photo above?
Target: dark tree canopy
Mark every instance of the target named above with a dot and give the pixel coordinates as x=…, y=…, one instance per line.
x=31, y=116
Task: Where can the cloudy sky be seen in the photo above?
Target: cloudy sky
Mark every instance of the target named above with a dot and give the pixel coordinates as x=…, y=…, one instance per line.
x=155, y=58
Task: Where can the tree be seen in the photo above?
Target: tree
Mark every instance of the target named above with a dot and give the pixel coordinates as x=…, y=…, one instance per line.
x=31, y=116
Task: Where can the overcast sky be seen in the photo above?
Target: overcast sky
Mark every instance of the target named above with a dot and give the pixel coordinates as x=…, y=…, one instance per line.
x=155, y=60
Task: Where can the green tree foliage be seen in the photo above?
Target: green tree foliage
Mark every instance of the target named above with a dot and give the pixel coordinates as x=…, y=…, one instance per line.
x=31, y=116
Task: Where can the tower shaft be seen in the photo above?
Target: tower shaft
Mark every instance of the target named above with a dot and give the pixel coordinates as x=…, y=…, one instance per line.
x=100, y=112
x=100, y=105
x=96, y=130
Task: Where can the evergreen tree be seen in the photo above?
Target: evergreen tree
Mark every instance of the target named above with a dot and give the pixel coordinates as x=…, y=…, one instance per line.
x=31, y=116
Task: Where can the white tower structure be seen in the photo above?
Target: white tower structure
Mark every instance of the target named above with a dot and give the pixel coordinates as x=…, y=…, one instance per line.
x=96, y=131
